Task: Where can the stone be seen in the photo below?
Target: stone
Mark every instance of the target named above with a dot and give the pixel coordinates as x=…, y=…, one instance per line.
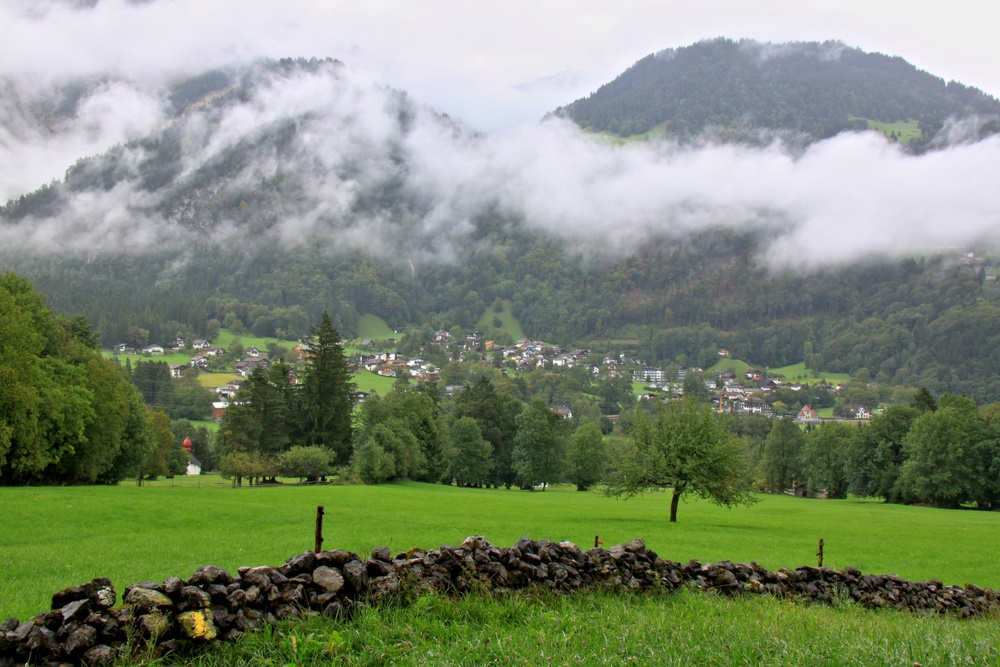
x=147, y=599
x=195, y=598
x=381, y=554
x=82, y=639
x=75, y=611
x=173, y=585
x=210, y=574
x=638, y=545
x=328, y=579
x=154, y=624
x=99, y=591
x=42, y=638
x=356, y=575
x=99, y=655
x=198, y=625
x=304, y=562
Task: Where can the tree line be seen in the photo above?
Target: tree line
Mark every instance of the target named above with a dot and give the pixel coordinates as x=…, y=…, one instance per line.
x=67, y=415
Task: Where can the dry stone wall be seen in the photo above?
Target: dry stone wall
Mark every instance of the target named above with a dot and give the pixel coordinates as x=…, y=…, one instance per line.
x=86, y=625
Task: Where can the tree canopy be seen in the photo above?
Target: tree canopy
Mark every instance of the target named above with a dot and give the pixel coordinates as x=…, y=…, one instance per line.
x=684, y=447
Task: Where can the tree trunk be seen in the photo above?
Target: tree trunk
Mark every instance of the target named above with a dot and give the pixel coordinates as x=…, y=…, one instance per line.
x=673, y=505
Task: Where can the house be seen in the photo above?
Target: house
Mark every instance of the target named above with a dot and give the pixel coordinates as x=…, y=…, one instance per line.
x=219, y=410
x=201, y=344
x=252, y=352
x=807, y=416
x=194, y=466
x=154, y=350
x=247, y=366
x=723, y=352
x=563, y=411
x=861, y=412
x=179, y=342
x=177, y=370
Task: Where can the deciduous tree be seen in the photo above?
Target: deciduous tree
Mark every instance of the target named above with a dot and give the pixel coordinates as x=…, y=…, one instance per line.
x=684, y=447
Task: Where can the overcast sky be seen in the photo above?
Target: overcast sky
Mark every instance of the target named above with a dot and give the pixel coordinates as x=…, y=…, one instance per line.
x=494, y=66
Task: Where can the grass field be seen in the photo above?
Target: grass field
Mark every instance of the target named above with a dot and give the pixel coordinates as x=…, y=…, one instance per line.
x=172, y=358
x=55, y=537
x=508, y=322
x=904, y=129
x=374, y=383
x=226, y=338
x=213, y=380
x=374, y=327
x=793, y=373
x=799, y=373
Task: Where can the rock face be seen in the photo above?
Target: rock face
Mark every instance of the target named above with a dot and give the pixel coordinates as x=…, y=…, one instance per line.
x=85, y=626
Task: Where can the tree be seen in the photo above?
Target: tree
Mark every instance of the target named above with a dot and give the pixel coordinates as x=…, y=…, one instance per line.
x=876, y=455
x=327, y=393
x=588, y=456
x=924, y=401
x=470, y=453
x=823, y=458
x=306, y=463
x=949, y=455
x=781, y=455
x=684, y=447
x=538, y=448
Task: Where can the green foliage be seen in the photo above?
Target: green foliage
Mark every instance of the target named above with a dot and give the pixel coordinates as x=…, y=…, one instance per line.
x=877, y=455
x=327, y=393
x=782, y=452
x=470, y=453
x=950, y=456
x=66, y=414
x=538, y=446
x=587, y=457
x=823, y=458
x=306, y=463
x=687, y=449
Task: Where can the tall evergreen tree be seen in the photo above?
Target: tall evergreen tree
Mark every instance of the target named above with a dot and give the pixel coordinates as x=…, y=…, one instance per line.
x=327, y=394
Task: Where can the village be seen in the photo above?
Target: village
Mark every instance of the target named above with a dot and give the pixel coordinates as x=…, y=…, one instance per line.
x=745, y=392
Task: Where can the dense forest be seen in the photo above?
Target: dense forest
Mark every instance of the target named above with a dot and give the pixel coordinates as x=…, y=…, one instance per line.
x=741, y=87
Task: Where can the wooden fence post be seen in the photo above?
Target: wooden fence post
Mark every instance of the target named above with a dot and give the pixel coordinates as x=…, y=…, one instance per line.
x=319, y=529
x=820, y=554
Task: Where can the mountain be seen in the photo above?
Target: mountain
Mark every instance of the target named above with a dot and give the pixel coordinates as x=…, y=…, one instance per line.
x=268, y=194
x=736, y=88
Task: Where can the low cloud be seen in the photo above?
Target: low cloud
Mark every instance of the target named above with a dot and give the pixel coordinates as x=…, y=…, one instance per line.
x=349, y=162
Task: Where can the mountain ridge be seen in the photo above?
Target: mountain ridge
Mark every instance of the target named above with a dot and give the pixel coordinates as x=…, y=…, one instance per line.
x=814, y=88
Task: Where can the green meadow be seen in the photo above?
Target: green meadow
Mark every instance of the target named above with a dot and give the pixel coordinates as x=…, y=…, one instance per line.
x=508, y=323
x=374, y=327
x=56, y=537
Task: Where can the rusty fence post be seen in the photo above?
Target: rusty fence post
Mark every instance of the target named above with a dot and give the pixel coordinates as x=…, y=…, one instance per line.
x=319, y=529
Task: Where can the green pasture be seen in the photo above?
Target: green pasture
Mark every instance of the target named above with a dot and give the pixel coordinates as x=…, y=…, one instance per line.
x=374, y=327
x=724, y=364
x=226, y=338
x=904, y=129
x=508, y=323
x=799, y=373
x=374, y=383
x=56, y=537
x=213, y=380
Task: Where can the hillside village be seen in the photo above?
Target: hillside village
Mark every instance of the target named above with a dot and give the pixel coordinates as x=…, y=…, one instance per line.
x=751, y=391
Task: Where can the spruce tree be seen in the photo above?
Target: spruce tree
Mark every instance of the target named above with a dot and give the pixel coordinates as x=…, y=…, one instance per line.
x=327, y=394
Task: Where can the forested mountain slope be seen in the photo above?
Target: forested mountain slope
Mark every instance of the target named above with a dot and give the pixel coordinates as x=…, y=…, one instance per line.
x=278, y=192
x=736, y=88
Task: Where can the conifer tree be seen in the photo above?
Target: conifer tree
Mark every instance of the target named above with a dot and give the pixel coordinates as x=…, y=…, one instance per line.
x=327, y=394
